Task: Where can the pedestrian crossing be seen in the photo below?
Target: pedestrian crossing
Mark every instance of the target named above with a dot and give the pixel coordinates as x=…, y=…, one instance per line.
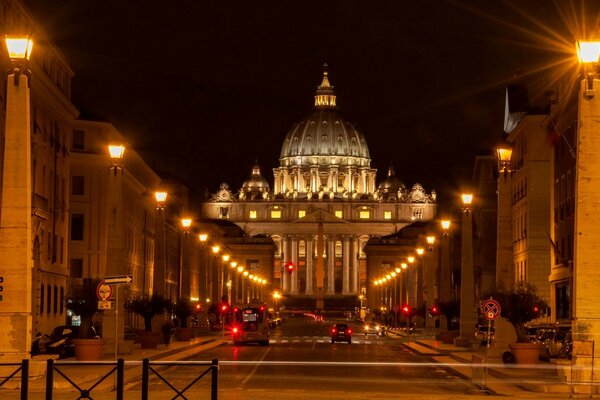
x=312, y=339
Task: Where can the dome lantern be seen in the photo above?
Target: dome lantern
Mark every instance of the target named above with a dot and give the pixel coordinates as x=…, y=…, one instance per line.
x=325, y=96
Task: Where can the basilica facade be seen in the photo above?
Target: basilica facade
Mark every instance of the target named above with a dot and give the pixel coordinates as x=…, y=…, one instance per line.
x=324, y=185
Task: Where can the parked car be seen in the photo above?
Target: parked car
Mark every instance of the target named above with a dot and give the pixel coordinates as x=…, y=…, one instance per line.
x=553, y=342
x=341, y=333
x=60, y=341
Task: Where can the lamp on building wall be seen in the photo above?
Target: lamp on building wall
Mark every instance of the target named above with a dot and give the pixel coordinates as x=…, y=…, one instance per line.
x=504, y=154
x=15, y=223
x=116, y=152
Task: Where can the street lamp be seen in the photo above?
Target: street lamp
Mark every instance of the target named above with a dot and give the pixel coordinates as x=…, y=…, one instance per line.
x=504, y=154
x=161, y=200
x=585, y=274
x=276, y=297
x=430, y=242
x=186, y=223
x=15, y=212
x=467, y=285
x=203, y=237
x=116, y=152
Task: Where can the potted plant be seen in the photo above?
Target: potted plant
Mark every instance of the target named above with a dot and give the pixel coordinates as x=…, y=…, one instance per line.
x=183, y=310
x=519, y=306
x=148, y=308
x=83, y=302
x=450, y=310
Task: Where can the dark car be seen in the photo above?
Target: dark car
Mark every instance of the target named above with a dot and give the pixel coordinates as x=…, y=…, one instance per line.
x=553, y=342
x=60, y=341
x=341, y=333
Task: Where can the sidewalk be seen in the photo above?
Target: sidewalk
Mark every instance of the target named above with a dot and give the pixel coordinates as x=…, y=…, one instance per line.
x=86, y=376
x=511, y=380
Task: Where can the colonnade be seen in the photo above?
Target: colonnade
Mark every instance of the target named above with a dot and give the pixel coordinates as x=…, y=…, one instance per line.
x=290, y=249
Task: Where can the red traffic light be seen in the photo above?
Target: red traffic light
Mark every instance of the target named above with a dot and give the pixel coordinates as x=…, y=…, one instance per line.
x=434, y=311
x=224, y=308
x=406, y=310
x=289, y=266
x=536, y=309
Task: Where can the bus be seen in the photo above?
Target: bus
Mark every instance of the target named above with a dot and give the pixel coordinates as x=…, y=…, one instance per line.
x=250, y=324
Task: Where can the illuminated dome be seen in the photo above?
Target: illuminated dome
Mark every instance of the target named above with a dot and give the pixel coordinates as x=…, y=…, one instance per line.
x=391, y=184
x=325, y=137
x=324, y=155
x=255, y=186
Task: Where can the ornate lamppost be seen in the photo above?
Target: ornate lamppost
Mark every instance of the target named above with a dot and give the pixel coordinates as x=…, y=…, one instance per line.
x=15, y=224
x=468, y=317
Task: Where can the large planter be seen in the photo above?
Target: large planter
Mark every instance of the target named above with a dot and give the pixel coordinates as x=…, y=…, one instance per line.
x=88, y=349
x=149, y=340
x=526, y=353
x=447, y=337
x=184, y=334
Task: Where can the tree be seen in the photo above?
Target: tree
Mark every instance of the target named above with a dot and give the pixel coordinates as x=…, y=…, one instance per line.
x=519, y=306
x=449, y=309
x=148, y=308
x=183, y=309
x=83, y=302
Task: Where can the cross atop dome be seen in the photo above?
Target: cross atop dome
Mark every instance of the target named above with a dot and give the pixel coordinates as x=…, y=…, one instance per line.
x=325, y=96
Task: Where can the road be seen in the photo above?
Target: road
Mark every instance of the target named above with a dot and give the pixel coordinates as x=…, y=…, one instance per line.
x=302, y=363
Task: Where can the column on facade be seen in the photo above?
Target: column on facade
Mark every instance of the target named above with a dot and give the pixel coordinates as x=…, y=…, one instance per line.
x=372, y=176
x=294, y=275
x=345, y=264
x=276, y=180
x=314, y=178
x=309, y=265
x=363, y=188
x=331, y=264
x=420, y=282
x=333, y=178
x=285, y=245
x=351, y=171
x=354, y=257
x=430, y=290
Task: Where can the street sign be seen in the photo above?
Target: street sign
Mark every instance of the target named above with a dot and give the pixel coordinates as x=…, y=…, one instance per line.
x=104, y=305
x=103, y=291
x=490, y=309
x=119, y=280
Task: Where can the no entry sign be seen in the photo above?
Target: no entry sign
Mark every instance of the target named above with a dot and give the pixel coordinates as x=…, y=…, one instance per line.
x=103, y=291
x=491, y=309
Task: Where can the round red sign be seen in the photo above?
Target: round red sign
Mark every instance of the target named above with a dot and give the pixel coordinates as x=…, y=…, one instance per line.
x=490, y=309
x=103, y=291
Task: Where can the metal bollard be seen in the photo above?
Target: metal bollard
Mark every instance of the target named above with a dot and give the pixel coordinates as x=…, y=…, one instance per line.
x=145, y=377
x=214, y=386
x=49, y=378
x=24, y=379
x=120, y=378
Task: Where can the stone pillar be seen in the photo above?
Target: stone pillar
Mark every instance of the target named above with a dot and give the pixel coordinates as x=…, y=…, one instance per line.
x=160, y=258
x=331, y=264
x=468, y=317
x=586, y=274
x=354, y=254
x=16, y=246
x=309, y=265
x=294, y=275
x=420, y=283
x=184, y=291
x=430, y=261
x=350, y=186
x=286, y=257
x=504, y=248
x=445, y=271
x=346, y=264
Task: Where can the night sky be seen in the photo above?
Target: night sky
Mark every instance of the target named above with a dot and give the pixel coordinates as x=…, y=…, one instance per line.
x=204, y=88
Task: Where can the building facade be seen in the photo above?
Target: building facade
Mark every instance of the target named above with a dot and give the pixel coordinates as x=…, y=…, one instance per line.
x=324, y=181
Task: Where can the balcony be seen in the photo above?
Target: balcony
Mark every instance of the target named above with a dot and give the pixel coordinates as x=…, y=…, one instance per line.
x=40, y=207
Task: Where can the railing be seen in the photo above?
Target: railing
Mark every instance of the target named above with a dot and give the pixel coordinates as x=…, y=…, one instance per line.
x=23, y=367
x=117, y=369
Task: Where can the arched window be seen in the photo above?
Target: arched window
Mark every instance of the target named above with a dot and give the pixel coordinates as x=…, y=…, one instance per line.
x=338, y=249
x=302, y=249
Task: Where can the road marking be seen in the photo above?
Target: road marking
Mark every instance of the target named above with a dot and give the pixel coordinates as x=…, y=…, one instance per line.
x=272, y=341
x=296, y=341
x=365, y=342
x=320, y=341
x=251, y=374
x=356, y=341
x=284, y=341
